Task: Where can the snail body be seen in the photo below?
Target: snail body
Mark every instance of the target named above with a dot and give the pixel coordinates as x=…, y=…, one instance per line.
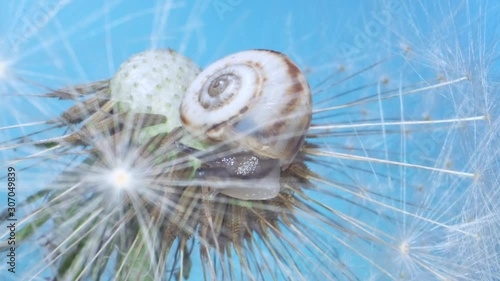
x=242, y=175
x=256, y=102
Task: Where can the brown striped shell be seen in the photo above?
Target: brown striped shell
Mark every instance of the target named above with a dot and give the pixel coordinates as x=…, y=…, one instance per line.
x=256, y=100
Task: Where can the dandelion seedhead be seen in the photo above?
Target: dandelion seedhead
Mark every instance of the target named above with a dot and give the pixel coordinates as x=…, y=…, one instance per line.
x=393, y=178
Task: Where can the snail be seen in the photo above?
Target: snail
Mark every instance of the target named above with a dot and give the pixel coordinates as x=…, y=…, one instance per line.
x=258, y=103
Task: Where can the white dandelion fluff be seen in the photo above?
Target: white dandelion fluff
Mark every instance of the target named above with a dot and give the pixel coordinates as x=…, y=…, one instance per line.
x=394, y=179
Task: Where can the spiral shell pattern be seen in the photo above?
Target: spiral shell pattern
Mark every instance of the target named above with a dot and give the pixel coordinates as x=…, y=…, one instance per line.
x=258, y=100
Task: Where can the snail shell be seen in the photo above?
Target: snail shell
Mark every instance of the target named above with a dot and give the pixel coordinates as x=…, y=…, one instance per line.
x=255, y=100
x=259, y=103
